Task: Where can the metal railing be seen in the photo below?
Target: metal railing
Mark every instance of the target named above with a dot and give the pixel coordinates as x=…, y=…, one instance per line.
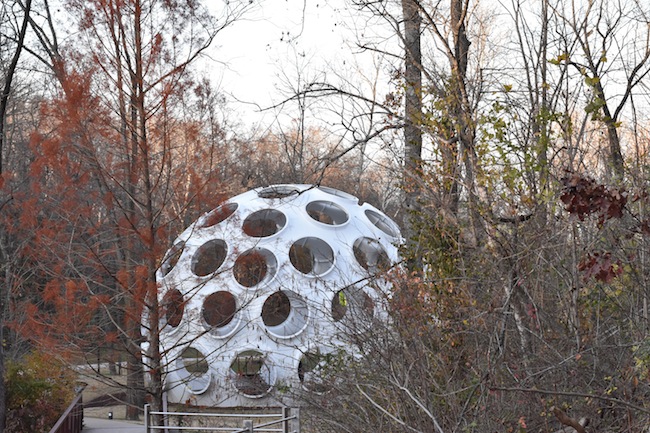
x=286, y=421
x=72, y=419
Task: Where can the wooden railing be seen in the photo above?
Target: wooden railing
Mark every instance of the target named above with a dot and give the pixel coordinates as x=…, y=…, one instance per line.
x=72, y=419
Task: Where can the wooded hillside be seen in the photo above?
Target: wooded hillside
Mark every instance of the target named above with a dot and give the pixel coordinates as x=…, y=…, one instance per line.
x=509, y=139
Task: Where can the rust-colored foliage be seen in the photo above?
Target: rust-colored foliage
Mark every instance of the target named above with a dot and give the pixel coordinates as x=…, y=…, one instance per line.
x=584, y=197
x=600, y=266
x=67, y=314
x=123, y=158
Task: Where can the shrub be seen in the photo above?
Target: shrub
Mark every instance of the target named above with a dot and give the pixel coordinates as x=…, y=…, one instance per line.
x=39, y=389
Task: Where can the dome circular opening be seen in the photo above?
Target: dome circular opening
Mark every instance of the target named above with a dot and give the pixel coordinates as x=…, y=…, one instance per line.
x=370, y=255
x=250, y=373
x=218, y=215
x=278, y=191
x=173, y=306
x=352, y=304
x=254, y=266
x=338, y=193
x=311, y=256
x=382, y=222
x=193, y=368
x=209, y=257
x=173, y=255
x=310, y=371
x=285, y=313
x=327, y=212
x=219, y=308
x=276, y=309
x=264, y=223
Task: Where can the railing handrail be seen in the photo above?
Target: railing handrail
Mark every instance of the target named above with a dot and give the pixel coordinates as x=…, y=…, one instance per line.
x=283, y=417
x=261, y=426
x=217, y=415
x=73, y=405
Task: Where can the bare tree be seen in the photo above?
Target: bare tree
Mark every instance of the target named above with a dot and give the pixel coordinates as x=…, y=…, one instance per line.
x=129, y=73
x=8, y=76
x=612, y=49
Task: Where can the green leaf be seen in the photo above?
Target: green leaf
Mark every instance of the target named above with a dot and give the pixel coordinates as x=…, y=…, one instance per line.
x=591, y=81
x=559, y=59
x=343, y=299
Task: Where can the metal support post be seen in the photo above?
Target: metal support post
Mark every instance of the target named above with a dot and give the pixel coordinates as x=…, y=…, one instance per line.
x=146, y=418
x=296, y=420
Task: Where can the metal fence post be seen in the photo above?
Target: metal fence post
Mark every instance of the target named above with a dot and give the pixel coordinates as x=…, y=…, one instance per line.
x=146, y=418
x=166, y=411
x=248, y=425
x=296, y=420
x=286, y=413
x=291, y=423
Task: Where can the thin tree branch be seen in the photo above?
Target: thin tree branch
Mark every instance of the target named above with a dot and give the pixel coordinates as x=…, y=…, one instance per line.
x=573, y=394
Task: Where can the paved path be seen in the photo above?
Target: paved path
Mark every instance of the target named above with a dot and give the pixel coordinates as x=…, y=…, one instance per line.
x=102, y=425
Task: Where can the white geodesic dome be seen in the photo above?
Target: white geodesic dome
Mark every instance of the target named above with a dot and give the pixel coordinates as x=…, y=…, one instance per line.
x=255, y=292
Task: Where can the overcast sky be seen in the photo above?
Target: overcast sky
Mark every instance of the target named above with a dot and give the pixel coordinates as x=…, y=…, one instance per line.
x=255, y=50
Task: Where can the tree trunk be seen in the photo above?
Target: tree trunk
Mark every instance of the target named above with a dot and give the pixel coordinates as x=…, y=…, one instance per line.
x=616, y=157
x=614, y=142
x=413, y=117
x=4, y=282
x=4, y=290
x=139, y=165
x=149, y=237
x=462, y=112
x=9, y=76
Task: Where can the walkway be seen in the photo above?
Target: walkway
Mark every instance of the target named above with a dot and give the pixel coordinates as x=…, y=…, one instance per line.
x=102, y=425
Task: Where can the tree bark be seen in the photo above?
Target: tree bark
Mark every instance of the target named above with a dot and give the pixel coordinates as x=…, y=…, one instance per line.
x=462, y=110
x=613, y=140
x=413, y=116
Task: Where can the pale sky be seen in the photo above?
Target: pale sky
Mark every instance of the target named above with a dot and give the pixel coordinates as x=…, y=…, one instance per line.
x=256, y=48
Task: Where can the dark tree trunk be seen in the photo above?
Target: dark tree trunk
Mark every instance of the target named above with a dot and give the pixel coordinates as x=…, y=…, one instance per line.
x=4, y=286
x=413, y=113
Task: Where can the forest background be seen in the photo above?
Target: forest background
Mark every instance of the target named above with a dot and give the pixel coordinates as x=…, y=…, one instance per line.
x=509, y=139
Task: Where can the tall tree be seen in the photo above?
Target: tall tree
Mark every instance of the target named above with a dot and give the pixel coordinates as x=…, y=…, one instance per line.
x=119, y=118
x=512, y=116
x=8, y=76
x=411, y=29
x=612, y=51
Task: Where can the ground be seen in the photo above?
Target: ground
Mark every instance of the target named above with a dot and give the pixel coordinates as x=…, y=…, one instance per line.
x=101, y=394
